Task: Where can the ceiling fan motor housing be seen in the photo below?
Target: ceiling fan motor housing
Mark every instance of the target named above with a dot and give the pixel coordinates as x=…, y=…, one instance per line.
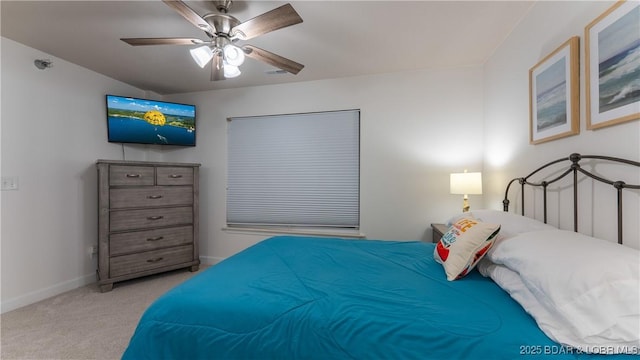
x=222, y=23
x=223, y=5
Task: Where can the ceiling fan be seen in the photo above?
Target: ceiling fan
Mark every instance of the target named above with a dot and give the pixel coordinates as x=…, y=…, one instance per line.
x=223, y=31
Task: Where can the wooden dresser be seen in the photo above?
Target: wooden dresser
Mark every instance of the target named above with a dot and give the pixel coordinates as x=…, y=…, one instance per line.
x=147, y=219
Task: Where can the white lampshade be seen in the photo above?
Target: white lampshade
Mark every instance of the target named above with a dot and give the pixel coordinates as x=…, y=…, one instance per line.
x=466, y=183
x=231, y=71
x=202, y=55
x=233, y=55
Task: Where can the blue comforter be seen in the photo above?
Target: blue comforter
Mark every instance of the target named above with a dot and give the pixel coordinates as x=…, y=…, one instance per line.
x=318, y=298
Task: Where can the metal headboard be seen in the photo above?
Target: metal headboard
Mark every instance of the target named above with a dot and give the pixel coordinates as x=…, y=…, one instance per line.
x=574, y=168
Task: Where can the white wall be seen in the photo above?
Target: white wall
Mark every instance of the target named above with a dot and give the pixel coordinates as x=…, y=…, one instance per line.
x=53, y=131
x=507, y=153
x=416, y=128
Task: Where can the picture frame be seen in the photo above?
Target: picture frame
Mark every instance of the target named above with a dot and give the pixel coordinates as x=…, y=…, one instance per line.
x=612, y=66
x=554, y=94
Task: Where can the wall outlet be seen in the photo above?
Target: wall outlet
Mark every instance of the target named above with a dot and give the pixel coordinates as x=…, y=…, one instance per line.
x=93, y=250
x=9, y=183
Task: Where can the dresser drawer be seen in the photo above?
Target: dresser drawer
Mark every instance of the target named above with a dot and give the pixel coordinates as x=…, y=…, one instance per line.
x=131, y=175
x=129, y=264
x=174, y=176
x=150, y=196
x=137, y=241
x=147, y=218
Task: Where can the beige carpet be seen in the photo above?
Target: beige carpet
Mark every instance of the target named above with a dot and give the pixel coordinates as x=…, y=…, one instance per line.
x=83, y=323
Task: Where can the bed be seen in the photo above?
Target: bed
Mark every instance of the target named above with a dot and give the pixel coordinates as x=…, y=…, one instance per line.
x=327, y=298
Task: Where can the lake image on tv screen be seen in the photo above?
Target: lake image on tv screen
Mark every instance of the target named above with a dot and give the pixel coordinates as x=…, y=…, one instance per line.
x=134, y=120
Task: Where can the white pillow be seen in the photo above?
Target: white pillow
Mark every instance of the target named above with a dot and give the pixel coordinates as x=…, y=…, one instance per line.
x=591, y=285
x=463, y=245
x=552, y=324
x=511, y=224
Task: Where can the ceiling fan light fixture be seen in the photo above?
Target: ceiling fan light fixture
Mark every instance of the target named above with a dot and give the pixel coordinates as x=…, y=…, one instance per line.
x=231, y=71
x=222, y=31
x=202, y=55
x=233, y=55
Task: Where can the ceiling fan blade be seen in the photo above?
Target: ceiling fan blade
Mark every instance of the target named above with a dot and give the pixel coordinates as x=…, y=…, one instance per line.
x=272, y=59
x=191, y=16
x=217, y=68
x=162, y=41
x=275, y=19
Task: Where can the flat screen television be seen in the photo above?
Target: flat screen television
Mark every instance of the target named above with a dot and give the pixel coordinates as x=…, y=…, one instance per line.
x=142, y=121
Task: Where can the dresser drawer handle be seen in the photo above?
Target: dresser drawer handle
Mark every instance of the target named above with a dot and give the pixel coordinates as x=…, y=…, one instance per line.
x=133, y=175
x=174, y=176
x=154, y=197
x=154, y=260
x=155, y=238
x=154, y=217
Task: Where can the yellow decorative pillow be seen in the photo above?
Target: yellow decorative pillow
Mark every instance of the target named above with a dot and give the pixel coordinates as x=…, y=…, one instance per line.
x=463, y=245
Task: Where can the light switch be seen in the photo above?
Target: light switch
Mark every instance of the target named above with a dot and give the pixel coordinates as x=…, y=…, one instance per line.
x=9, y=183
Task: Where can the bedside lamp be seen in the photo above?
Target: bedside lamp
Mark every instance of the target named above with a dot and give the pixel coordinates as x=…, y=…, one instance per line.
x=464, y=184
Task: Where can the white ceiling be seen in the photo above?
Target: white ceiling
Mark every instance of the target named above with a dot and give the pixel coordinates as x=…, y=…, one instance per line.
x=337, y=38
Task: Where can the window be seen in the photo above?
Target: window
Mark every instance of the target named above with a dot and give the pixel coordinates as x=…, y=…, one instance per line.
x=297, y=170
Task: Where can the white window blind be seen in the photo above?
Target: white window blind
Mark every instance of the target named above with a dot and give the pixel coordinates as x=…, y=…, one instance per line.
x=298, y=170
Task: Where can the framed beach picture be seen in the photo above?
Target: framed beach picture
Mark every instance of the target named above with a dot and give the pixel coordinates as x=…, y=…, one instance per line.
x=613, y=66
x=554, y=94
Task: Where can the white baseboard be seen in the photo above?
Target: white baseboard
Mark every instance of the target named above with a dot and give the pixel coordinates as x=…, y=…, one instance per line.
x=210, y=260
x=38, y=295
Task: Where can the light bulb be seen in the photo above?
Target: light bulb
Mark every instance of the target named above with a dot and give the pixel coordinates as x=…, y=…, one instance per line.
x=202, y=55
x=231, y=71
x=233, y=55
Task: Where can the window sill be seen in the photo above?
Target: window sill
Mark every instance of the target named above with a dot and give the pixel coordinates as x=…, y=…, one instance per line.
x=292, y=231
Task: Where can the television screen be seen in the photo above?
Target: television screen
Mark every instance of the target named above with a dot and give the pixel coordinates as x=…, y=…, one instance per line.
x=140, y=121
